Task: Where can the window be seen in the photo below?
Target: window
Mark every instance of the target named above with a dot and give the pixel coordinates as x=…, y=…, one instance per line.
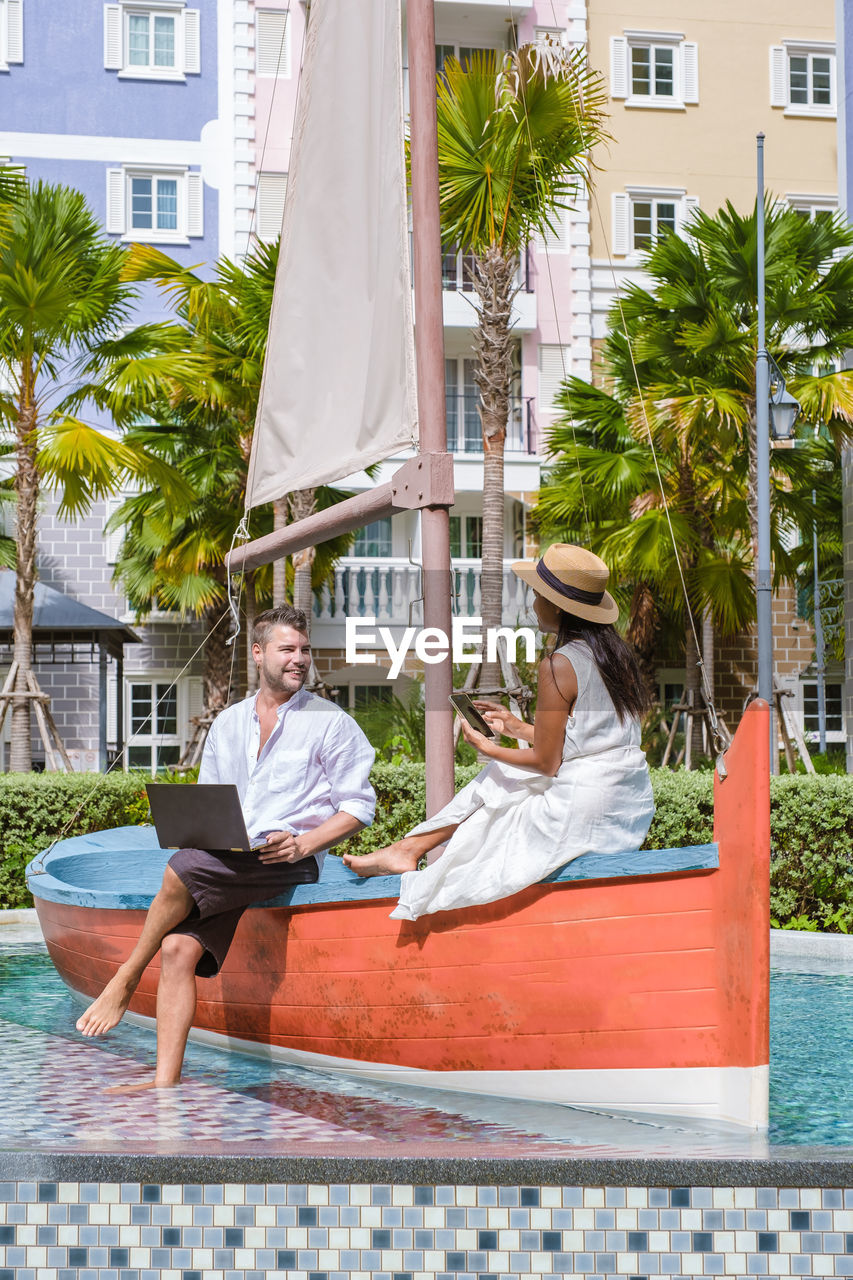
x=153, y=743
x=151, y=40
x=11, y=32
x=364, y=696
x=374, y=539
x=464, y=432
x=814, y=208
x=161, y=42
x=463, y=53
x=649, y=220
x=457, y=270
x=155, y=206
x=466, y=537
x=272, y=43
x=834, y=713
x=642, y=215
x=654, y=69
x=802, y=78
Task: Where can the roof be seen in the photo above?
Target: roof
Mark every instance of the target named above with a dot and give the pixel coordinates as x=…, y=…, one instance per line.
x=60, y=619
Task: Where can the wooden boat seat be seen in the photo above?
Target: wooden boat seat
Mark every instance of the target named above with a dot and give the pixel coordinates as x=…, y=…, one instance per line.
x=122, y=869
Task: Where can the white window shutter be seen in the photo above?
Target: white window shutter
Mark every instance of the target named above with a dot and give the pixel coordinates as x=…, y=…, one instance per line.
x=554, y=367
x=558, y=240
x=618, y=67
x=272, y=189
x=778, y=77
x=195, y=204
x=113, y=60
x=691, y=204
x=272, y=40
x=113, y=538
x=14, y=31
x=192, y=42
x=621, y=222
x=115, y=202
x=191, y=693
x=690, y=70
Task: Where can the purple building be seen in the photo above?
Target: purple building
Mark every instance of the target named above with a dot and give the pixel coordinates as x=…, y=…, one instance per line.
x=123, y=102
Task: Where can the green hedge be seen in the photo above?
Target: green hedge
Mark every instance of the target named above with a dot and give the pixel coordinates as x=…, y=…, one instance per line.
x=811, y=828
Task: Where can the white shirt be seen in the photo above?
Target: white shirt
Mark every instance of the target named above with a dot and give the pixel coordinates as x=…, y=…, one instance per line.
x=315, y=763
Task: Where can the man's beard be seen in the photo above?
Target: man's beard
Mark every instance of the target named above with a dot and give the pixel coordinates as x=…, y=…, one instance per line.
x=280, y=682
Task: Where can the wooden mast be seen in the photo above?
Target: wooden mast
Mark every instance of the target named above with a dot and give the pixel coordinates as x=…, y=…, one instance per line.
x=429, y=354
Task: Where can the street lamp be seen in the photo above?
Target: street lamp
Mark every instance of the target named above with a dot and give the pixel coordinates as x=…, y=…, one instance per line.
x=784, y=409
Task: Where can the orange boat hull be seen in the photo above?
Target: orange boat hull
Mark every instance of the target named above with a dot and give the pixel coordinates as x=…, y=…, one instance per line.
x=656, y=982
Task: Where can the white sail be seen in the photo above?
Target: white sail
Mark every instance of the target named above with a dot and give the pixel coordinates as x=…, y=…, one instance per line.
x=338, y=390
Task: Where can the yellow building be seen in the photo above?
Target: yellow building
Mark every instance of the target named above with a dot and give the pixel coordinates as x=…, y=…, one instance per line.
x=691, y=84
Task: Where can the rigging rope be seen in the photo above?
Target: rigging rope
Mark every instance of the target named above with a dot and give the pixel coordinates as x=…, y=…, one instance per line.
x=37, y=866
x=716, y=732
x=553, y=292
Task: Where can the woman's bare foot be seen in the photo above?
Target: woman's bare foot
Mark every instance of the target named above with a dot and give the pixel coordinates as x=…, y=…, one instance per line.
x=141, y=1086
x=393, y=860
x=109, y=1008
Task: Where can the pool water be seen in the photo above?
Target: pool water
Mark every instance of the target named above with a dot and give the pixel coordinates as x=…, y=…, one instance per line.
x=54, y=1084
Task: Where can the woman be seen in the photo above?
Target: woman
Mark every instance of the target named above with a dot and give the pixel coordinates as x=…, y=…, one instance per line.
x=582, y=787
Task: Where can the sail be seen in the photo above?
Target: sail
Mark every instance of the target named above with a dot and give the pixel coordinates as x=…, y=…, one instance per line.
x=338, y=389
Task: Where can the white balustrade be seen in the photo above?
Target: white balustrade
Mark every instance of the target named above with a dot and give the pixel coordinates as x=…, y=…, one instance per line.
x=390, y=591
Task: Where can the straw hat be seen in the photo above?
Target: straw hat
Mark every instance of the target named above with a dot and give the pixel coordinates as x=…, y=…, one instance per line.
x=572, y=578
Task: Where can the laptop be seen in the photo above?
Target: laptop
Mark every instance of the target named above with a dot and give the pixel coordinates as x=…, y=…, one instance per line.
x=206, y=815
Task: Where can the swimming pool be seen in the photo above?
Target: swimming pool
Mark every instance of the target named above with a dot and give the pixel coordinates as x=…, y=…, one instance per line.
x=54, y=1081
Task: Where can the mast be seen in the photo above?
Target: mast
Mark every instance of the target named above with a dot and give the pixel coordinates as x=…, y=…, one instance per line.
x=429, y=356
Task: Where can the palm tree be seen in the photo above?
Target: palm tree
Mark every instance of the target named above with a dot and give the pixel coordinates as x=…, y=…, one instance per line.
x=677, y=371
x=514, y=134
x=204, y=408
x=61, y=300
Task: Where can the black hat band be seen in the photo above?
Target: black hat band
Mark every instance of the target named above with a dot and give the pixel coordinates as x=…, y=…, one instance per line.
x=571, y=593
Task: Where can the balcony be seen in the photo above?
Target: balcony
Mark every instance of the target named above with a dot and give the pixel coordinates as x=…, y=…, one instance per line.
x=390, y=590
x=465, y=434
x=459, y=297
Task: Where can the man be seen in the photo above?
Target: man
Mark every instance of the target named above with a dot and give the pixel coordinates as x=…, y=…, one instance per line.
x=301, y=766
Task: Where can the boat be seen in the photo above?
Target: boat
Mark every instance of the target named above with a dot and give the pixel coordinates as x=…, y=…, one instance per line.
x=632, y=981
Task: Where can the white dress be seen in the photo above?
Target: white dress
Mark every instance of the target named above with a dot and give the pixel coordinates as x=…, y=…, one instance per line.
x=518, y=826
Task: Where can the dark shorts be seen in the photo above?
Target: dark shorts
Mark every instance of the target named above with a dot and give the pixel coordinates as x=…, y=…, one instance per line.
x=223, y=885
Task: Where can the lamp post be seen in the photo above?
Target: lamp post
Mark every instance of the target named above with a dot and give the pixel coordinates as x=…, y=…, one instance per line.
x=776, y=407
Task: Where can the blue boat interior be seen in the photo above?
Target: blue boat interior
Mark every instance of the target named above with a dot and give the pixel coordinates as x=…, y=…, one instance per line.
x=121, y=869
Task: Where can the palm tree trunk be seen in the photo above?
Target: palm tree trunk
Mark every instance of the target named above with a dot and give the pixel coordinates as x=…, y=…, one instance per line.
x=251, y=609
x=494, y=280
x=279, y=566
x=26, y=489
x=692, y=686
x=216, y=677
x=642, y=633
x=303, y=502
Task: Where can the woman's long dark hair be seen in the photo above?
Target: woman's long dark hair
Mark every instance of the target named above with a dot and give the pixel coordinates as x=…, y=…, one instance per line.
x=615, y=660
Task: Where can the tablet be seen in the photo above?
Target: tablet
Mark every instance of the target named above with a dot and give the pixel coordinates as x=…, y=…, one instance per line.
x=463, y=704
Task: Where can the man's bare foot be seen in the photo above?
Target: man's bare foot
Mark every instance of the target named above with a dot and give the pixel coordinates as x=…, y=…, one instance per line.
x=109, y=1008
x=141, y=1086
x=393, y=860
